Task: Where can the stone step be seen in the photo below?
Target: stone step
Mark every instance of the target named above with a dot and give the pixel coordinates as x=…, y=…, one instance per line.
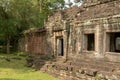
x=91, y=62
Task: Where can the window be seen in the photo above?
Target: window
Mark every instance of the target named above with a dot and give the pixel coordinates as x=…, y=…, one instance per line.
x=113, y=42
x=89, y=42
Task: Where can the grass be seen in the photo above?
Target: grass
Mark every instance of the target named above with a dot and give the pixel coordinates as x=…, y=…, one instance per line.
x=12, y=67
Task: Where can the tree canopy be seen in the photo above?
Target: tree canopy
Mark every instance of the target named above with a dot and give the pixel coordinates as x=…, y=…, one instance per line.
x=19, y=15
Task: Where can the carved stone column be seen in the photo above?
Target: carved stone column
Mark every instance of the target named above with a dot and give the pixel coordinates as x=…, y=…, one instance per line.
x=99, y=35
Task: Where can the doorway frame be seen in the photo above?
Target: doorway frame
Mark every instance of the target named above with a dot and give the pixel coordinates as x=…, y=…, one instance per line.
x=62, y=45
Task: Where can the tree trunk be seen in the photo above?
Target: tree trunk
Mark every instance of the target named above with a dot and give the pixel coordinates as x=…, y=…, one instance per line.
x=8, y=44
x=40, y=2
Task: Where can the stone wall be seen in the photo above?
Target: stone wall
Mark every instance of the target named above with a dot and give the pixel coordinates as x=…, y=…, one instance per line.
x=82, y=41
x=33, y=41
x=82, y=68
x=76, y=23
x=91, y=24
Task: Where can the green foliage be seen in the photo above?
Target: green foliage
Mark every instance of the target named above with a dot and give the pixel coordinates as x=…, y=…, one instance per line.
x=19, y=15
x=7, y=20
x=97, y=77
x=16, y=70
x=57, y=4
x=76, y=1
x=23, y=14
x=47, y=6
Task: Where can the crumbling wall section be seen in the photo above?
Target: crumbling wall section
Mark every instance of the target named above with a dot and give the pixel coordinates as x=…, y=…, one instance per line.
x=103, y=9
x=73, y=25
x=33, y=41
x=96, y=17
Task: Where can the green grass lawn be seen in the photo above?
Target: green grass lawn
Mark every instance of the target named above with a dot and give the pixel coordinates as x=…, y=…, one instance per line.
x=14, y=69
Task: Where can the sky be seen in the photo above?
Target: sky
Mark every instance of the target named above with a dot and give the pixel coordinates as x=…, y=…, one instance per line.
x=70, y=0
x=78, y=4
x=66, y=1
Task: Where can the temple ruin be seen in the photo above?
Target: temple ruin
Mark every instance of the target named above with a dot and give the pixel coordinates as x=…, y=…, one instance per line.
x=92, y=29
x=85, y=39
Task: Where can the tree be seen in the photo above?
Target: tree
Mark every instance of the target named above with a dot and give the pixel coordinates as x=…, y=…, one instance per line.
x=15, y=16
x=47, y=6
x=7, y=21
x=19, y=15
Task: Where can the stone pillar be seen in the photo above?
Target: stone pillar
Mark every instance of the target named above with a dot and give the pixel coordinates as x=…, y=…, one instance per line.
x=78, y=43
x=81, y=36
x=99, y=35
x=70, y=39
x=54, y=45
x=49, y=41
x=106, y=39
x=66, y=38
x=65, y=45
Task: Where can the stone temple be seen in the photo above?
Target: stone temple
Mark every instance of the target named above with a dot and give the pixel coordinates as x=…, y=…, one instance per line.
x=84, y=40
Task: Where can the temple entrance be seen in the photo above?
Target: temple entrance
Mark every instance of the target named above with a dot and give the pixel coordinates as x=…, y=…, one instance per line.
x=113, y=42
x=60, y=47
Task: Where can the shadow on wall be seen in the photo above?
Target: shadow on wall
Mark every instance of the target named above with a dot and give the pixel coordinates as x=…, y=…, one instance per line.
x=37, y=61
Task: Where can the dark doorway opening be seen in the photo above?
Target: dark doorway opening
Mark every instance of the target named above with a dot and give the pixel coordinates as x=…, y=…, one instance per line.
x=90, y=42
x=114, y=42
x=60, y=47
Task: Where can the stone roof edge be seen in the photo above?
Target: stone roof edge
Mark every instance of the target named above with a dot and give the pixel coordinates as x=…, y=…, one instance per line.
x=34, y=30
x=62, y=10
x=96, y=19
x=96, y=3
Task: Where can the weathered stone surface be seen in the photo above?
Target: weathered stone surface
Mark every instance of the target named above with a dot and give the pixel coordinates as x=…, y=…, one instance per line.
x=82, y=41
x=33, y=41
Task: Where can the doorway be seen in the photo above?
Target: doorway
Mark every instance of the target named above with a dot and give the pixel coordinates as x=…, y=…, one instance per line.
x=60, y=47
